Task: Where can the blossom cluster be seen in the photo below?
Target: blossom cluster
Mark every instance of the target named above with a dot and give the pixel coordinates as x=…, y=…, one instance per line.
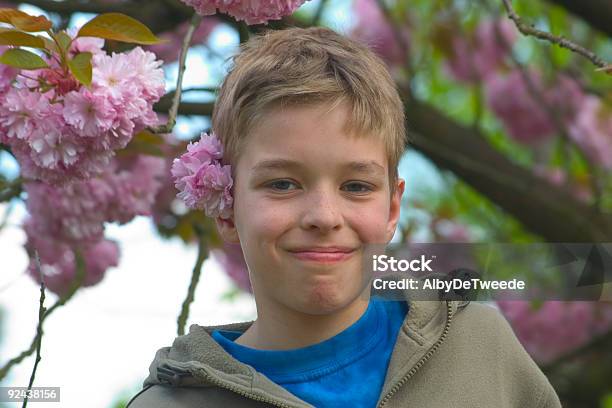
x=529, y=119
x=74, y=214
x=58, y=261
x=60, y=130
x=592, y=130
x=570, y=324
x=203, y=182
x=531, y=108
x=251, y=11
x=373, y=30
x=479, y=55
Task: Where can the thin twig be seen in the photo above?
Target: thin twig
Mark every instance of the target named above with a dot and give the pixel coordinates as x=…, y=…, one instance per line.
x=530, y=30
x=39, y=330
x=554, y=116
x=10, y=190
x=243, y=32
x=403, y=43
x=316, y=19
x=195, y=277
x=5, y=217
x=479, y=100
x=80, y=276
x=196, y=19
x=172, y=94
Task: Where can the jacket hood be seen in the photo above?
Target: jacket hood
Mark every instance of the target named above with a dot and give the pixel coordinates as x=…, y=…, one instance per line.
x=197, y=360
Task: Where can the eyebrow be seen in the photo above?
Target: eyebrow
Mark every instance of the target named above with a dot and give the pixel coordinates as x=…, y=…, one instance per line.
x=365, y=167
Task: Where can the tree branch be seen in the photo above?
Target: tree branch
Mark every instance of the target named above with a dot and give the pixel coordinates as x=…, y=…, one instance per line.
x=547, y=210
x=10, y=190
x=76, y=283
x=555, y=117
x=316, y=19
x=196, y=19
x=185, y=108
x=530, y=30
x=39, y=330
x=195, y=277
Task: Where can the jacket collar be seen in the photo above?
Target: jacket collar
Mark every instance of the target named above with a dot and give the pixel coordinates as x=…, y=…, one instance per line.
x=196, y=359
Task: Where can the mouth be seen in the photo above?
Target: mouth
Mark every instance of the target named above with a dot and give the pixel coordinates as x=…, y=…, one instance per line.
x=323, y=256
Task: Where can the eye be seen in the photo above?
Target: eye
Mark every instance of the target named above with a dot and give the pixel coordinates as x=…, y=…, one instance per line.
x=364, y=187
x=280, y=184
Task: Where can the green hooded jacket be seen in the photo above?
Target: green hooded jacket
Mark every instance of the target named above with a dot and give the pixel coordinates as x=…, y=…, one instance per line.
x=447, y=354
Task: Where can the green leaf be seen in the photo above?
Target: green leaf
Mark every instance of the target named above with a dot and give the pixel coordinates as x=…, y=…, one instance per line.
x=144, y=142
x=18, y=58
x=80, y=66
x=50, y=45
x=118, y=27
x=64, y=40
x=6, y=14
x=18, y=38
x=31, y=23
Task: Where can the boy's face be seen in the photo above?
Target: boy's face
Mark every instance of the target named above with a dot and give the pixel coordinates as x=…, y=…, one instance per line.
x=318, y=201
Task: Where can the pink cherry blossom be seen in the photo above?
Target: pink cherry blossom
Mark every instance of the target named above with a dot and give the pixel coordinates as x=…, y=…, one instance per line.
x=72, y=213
x=7, y=73
x=592, y=131
x=84, y=44
x=203, y=182
x=479, y=55
x=53, y=145
x=525, y=118
x=20, y=110
x=71, y=132
x=147, y=73
x=251, y=11
x=135, y=188
x=58, y=261
x=231, y=258
x=76, y=212
x=90, y=114
x=553, y=328
x=373, y=30
x=450, y=231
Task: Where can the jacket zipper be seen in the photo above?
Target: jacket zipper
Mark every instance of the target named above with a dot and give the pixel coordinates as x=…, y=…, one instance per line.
x=421, y=362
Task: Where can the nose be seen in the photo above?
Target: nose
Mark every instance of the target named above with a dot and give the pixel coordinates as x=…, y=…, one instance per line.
x=321, y=210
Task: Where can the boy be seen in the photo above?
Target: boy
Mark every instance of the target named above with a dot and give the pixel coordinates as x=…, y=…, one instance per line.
x=313, y=128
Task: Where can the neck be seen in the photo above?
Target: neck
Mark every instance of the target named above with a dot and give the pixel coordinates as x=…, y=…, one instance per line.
x=287, y=329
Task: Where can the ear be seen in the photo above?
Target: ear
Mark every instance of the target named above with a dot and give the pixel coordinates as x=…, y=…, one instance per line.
x=227, y=229
x=394, y=208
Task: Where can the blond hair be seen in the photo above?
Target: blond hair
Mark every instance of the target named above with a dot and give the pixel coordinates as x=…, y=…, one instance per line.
x=307, y=66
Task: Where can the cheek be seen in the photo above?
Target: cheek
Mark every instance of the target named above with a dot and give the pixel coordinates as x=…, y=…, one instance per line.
x=370, y=222
x=262, y=220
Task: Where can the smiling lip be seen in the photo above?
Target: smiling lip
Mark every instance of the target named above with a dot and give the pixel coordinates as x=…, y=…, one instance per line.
x=326, y=255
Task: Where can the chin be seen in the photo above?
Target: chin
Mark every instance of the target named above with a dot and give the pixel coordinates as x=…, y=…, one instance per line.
x=323, y=299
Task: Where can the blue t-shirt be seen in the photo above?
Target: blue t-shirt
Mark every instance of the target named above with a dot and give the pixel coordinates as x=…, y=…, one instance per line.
x=347, y=370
